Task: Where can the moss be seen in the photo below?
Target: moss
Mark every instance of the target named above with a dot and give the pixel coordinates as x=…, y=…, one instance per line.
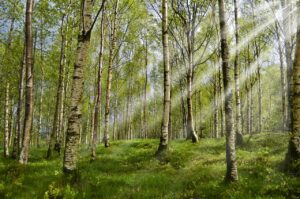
x=129, y=169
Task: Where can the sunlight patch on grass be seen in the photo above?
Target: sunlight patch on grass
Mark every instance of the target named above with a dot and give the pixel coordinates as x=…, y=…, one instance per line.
x=130, y=169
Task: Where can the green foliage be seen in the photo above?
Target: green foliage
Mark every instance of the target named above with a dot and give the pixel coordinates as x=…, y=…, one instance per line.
x=129, y=169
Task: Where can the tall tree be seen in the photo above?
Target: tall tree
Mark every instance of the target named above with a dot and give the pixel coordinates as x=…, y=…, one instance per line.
x=17, y=138
x=74, y=121
x=29, y=84
x=109, y=73
x=190, y=15
x=282, y=76
x=239, y=136
x=39, y=128
x=57, y=121
x=231, y=173
x=293, y=154
x=97, y=108
x=286, y=8
x=167, y=82
x=8, y=111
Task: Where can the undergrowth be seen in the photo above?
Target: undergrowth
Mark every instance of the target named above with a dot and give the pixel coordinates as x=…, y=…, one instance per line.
x=129, y=169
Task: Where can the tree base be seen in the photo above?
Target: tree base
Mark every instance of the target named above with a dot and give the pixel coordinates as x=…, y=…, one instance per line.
x=239, y=139
x=292, y=159
x=93, y=155
x=161, y=150
x=14, y=155
x=49, y=154
x=73, y=176
x=229, y=178
x=106, y=145
x=194, y=137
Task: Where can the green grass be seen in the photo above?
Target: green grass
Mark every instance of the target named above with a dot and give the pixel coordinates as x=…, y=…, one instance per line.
x=128, y=169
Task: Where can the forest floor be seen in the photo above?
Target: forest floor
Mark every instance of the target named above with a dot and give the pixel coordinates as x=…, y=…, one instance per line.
x=129, y=169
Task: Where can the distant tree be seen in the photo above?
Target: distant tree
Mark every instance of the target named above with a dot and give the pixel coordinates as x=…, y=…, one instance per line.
x=145, y=89
x=6, y=122
x=282, y=75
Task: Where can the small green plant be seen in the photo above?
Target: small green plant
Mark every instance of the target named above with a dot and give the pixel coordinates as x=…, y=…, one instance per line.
x=129, y=169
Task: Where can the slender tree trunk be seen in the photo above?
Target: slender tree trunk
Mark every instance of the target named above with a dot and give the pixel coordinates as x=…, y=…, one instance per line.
x=66, y=89
x=166, y=105
x=141, y=125
x=29, y=84
x=259, y=99
x=170, y=133
x=286, y=4
x=127, y=114
x=215, y=123
x=130, y=115
x=115, y=118
x=211, y=128
x=57, y=120
x=89, y=130
x=109, y=74
x=183, y=110
x=221, y=93
x=11, y=121
x=11, y=29
x=190, y=123
x=42, y=92
x=69, y=42
x=190, y=120
x=200, y=116
x=248, y=110
x=6, y=122
x=39, y=129
x=33, y=134
x=195, y=112
x=145, y=92
x=282, y=79
x=251, y=106
x=97, y=110
x=74, y=122
x=8, y=117
x=62, y=93
x=231, y=174
x=238, y=116
x=124, y=121
x=17, y=138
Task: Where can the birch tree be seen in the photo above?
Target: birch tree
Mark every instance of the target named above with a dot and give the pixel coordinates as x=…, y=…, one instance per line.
x=166, y=105
x=238, y=116
x=74, y=121
x=29, y=84
x=109, y=73
x=231, y=173
x=293, y=154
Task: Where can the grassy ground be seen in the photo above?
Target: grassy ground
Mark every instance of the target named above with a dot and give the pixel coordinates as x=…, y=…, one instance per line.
x=129, y=170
